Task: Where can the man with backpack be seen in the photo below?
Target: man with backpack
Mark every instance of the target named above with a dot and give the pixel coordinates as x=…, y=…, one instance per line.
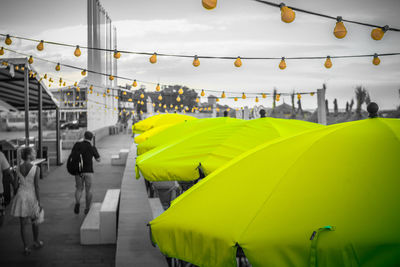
x=80, y=164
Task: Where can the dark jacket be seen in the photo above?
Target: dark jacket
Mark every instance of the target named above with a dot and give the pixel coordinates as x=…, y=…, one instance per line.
x=88, y=152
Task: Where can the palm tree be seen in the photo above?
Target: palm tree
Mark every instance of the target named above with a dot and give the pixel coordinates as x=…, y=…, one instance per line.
x=274, y=101
x=335, y=107
x=361, y=95
x=293, y=114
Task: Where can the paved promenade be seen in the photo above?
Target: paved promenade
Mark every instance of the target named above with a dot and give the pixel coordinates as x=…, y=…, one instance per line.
x=60, y=231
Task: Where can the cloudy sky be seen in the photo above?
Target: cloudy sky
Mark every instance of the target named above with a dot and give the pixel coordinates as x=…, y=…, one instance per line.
x=234, y=28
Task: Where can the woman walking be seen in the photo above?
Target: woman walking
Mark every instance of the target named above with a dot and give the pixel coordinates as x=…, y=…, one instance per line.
x=26, y=203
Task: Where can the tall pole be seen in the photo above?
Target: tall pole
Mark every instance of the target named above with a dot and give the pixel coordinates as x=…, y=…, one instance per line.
x=26, y=88
x=40, y=123
x=58, y=137
x=321, y=105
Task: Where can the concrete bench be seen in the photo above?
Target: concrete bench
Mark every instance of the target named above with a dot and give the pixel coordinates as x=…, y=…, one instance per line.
x=120, y=159
x=108, y=217
x=90, y=229
x=156, y=207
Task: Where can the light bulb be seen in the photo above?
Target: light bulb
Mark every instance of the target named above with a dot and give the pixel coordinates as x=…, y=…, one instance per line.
x=376, y=61
x=134, y=84
x=154, y=104
x=312, y=94
x=278, y=96
x=159, y=104
x=8, y=40
x=171, y=106
x=340, y=30
x=30, y=60
x=141, y=95
x=287, y=14
x=141, y=112
x=77, y=97
x=40, y=46
x=196, y=61
x=238, y=62
x=165, y=106
x=178, y=99
x=236, y=99
x=328, y=62
x=160, y=97
x=138, y=102
x=377, y=33
x=75, y=84
x=217, y=109
x=117, y=54
x=91, y=88
x=83, y=72
x=256, y=99
x=61, y=80
x=243, y=96
x=217, y=100
x=77, y=51
x=197, y=100
x=176, y=107
x=180, y=91
x=124, y=93
x=111, y=78
x=58, y=67
x=223, y=94
x=45, y=76
x=264, y=95
x=158, y=87
x=181, y=106
x=209, y=4
x=1, y=51
x=202, y=93
x=282, y=64
x=141, y=103
x=298, y=96
x=64, y=84
x=153, y=58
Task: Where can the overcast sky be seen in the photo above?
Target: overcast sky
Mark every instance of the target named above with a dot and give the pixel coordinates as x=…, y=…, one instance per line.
x=234, y=28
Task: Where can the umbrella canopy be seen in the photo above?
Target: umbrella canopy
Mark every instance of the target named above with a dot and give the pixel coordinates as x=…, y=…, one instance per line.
x=338, y=185
x=152, y=132
x=213, y=148
x=159, y=120
x=4, y=106
x=181, y=131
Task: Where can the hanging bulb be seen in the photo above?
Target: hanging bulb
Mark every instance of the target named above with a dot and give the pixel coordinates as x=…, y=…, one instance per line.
x=117, y=54
x=197, y=100
x=111, y=78
x=287, y=14
x=298, y=96
x=328, y=62
x=180, y=91
x=108, y=91
x=256, y=99
x=264, y=95
x=209, y=4
x=141, y=95
x=282, y=65
x=154, y=104
x=60, y=81
x=64, y=84
x=217, y=109
x=153, y=58
x=243, y=96
x=196, y=61
x=91, y=88
x=104, y=94
x=278, y=96
x=171, y=106
x=138, y=102
x=30, y=60
x=236, y=99
x=376, y=61
x=83, y=72
x=141, y=103
x=8, y=40
x=1, y=51
x=40, y=46
x=377, y=33
x=340, y=30
x=217, y=99
x=75, y=84
x=312, y=94
x=238, y=62
x=58, y=67
x=176, y=107
x=77, y=97
x=158, y=87
x=223, y=94
x=178, y=99
x=160, y=98
x=165, y=106
x=124, y=93
x=134, y=84
x=77, y=52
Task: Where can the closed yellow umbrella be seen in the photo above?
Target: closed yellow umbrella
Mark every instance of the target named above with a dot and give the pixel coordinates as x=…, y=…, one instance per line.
x=328, y=197
x=152, y=132
x=159, y=120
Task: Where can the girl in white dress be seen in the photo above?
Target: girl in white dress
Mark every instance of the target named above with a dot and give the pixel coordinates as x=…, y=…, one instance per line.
x=26, y=203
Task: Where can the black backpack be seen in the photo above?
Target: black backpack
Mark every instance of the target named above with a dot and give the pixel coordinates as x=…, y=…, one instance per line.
x=75, y=162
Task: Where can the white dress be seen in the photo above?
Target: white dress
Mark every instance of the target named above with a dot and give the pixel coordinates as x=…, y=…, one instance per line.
x=25, y=203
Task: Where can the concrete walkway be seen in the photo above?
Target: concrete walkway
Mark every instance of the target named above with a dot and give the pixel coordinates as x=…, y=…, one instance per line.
x=60, y=231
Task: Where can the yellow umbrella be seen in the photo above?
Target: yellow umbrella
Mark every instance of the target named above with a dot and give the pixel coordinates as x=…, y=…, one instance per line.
x=158, y=120
x=150, y=133
x=328, y=197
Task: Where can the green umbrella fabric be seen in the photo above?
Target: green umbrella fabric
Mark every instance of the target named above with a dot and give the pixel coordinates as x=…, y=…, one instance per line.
x=213, y=148
x=181, y=131
x=338, y=186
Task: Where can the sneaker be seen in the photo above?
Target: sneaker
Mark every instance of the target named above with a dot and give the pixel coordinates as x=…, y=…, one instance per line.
x=76, y=208
x=86, y=211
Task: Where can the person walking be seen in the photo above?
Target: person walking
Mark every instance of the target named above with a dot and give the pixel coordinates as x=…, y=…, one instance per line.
x=83, y=180
x=26, y=203
x=6, y=180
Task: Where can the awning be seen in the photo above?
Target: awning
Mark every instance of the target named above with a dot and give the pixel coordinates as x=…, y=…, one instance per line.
x=12, y=86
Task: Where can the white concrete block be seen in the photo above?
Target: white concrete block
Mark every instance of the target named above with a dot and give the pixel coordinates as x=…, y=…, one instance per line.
x=156, y=207
x=90, y=228
x=108, y=217
x=117, y=161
